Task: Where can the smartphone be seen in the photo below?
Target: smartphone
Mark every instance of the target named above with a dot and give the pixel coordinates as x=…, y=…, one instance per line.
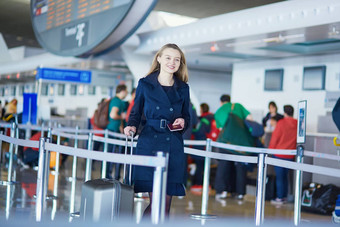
x=173, y=128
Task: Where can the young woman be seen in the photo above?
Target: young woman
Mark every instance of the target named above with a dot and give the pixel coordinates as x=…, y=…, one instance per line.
x=163, y=97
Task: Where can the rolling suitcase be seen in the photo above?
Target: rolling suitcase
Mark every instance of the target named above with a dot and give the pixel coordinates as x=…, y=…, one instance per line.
x=107, y=199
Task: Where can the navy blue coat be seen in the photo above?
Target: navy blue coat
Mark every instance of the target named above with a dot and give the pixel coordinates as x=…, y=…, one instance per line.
x=152, y=101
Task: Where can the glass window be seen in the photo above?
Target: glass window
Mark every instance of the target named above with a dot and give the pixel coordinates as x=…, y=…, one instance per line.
x=273, y=80
x=314, y=78
x=73, y=89
x=52, y=91
x=13, y=90
x=104, y=90
x=92, y=90
x=2, y=91
x=44, y=89
x=81, y=89
x=21, y=90
x=61, y=89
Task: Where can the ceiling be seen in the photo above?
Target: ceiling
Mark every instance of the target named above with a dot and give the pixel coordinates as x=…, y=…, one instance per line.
x=16, y=27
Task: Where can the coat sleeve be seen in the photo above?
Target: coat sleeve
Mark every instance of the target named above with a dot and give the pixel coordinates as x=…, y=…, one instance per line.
x=137, y=109
x=185, y=109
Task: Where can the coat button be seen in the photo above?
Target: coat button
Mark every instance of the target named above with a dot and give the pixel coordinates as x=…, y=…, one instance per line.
x=157, y=107
x=171, y=109
x=155, y=136
x=167, y=138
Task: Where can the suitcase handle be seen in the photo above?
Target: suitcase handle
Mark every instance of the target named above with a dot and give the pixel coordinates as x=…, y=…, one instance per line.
x=128, y=181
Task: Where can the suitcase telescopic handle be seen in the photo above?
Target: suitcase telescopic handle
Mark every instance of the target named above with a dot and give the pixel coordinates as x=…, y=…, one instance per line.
x=131, y=150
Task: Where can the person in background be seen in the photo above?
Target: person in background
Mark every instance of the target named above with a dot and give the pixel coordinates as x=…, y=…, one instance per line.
x=272, y=113
x=97, y=146
x=225, y=173
x=117, y=114
x=131, y=103
x=163, y=97
x=201, y=131
x=284, y=137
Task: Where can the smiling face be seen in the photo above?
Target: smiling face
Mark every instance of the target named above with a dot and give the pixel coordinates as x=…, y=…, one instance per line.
x=169, y=60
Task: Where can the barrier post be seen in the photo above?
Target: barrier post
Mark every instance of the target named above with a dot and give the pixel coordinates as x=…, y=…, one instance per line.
x=298, y=185
x=159, y=191
x=11, y=156
x=88, y=168
x=74, y=174
x=104, y=164
x=40, y=201
x=47, y=163
x=260, y=189
x=205, y=192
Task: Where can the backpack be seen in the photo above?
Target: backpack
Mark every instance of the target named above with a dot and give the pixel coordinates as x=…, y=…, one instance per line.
x=101, y=115
x=214, y=131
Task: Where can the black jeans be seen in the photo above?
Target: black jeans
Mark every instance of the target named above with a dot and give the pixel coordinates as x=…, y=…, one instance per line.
x=231, y=177
x=111, y=148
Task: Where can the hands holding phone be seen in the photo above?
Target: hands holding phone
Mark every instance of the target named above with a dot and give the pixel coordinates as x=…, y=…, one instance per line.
x=177, y=125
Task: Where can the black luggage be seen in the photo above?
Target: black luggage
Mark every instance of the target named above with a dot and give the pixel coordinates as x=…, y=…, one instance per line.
x=107, y=200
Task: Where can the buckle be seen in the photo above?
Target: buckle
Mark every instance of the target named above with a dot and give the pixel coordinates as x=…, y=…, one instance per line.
x=163, y=123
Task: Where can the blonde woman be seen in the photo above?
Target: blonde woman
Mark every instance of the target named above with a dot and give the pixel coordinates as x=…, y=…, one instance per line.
x=163, y=97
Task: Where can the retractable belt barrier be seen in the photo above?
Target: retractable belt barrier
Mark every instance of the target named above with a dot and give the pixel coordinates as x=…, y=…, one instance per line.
x=261, y=159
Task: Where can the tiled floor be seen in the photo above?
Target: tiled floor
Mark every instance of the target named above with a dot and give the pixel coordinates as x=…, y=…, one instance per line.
x=17, y=201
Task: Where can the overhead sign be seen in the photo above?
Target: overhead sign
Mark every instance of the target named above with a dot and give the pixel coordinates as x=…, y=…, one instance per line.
x=86, y=27
x=66, y=75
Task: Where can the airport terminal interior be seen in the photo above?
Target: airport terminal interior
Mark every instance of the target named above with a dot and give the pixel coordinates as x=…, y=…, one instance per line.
x=59, y=59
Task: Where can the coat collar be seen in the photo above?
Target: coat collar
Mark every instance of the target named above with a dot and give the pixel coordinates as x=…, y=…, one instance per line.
x=153, y=80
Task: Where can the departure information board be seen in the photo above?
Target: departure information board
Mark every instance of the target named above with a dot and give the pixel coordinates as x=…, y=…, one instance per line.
x=86, y=27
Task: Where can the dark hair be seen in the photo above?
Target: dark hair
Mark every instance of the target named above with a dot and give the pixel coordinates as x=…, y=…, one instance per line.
x=272, y=103
x=133, y=90
x=225, y=98
x=121, y=87
x=289, y=110
x=205, y=107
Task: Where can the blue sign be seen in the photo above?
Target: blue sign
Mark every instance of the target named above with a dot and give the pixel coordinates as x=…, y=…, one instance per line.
x=29, y=113
x=67, y=75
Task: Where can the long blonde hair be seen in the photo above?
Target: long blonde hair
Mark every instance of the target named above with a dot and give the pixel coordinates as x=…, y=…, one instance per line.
x=182, y=72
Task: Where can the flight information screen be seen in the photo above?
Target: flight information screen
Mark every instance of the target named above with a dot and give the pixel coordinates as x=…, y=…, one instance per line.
x=49, y=14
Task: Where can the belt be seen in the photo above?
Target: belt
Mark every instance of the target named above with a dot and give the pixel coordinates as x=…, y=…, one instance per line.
x=162, y=123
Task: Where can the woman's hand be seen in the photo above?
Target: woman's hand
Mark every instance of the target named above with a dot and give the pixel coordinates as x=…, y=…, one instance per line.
x=179, y=121
x=129, y=129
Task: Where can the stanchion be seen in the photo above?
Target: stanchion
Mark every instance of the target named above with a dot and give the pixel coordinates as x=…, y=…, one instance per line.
x=260, y=189
x=159, y=192
x=298, y=182
x=88, y=169
x=104, y=164
x=205, y=193
x=16, y=135
x=10, y=164
x=40, y=201
x=56, y=179
x=74, y=175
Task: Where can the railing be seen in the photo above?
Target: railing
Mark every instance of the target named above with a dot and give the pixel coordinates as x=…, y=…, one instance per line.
x=260, y=156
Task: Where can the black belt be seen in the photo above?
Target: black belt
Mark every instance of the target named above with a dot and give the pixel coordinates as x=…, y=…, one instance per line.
x=162, y=123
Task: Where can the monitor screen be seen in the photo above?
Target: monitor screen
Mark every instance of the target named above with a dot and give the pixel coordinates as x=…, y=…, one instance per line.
x=273, y=80
x=314, y=78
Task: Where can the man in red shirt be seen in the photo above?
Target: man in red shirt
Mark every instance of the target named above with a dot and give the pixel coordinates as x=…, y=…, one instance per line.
x=283, y=137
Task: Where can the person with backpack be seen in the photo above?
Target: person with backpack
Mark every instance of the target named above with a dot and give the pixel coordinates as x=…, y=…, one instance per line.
x=116, y=115
x=227, y=171
x=163, y=98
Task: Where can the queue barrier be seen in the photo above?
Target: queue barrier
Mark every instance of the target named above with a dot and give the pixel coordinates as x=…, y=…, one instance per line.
x=159, y=162
x=261, y=159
